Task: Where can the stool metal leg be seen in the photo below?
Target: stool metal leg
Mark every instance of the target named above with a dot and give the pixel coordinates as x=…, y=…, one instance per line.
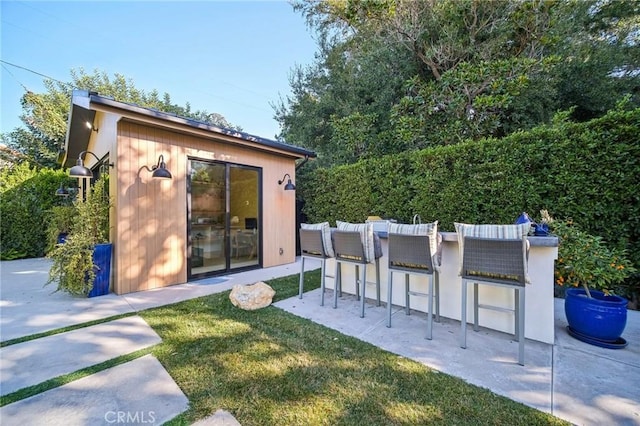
x=340, y=281
x=407, y=298
x=521, y=293
x=301, y=279
x=437, y=298
x=357, y=286
x=429, y=317
x=336, y=285
x=463, y=316
x=389, y=295
x=363, y=286
x=322, y=282
x=377, y=280
x=516, y=328
x=476, y=302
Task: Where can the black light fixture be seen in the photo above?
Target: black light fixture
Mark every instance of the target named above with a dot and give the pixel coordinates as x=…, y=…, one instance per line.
x=79, y=170
x=289, y=186
x=62, y=191
x=160, y=170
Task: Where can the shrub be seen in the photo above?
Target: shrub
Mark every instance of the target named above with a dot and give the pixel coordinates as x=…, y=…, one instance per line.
x=27, y=195
x=585, y=260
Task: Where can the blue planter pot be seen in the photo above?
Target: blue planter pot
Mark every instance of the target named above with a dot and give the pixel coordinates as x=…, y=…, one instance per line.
x=102, y=260
x=601, y=317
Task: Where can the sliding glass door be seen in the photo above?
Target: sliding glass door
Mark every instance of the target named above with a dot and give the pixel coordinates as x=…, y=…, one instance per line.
x=224, y=217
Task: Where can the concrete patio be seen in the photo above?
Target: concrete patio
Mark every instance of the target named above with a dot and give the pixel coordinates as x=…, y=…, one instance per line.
x=581, y=383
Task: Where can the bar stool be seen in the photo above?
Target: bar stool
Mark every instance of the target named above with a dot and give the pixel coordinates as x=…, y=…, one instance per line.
x=311, y=246
x=497, y=262
x=348, y=249
x=411, y=255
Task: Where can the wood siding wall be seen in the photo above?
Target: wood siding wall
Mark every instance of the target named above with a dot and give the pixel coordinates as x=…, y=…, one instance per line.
x=150, y=244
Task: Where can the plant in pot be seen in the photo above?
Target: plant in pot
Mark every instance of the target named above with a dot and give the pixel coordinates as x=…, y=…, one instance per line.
x=590, y=270
x=82, y=265
x=60, y=222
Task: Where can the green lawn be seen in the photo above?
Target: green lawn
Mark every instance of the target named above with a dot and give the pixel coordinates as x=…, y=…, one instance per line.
x=269, y=367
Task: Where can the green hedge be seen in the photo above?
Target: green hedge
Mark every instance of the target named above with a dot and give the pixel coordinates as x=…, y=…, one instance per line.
x=585, y=171
x=26, y=197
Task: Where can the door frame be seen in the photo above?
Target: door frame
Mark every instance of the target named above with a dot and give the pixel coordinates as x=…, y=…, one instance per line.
x=227, y=215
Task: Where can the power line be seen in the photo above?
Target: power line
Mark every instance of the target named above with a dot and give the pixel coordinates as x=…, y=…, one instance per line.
x=14, y=77
x=31, y=71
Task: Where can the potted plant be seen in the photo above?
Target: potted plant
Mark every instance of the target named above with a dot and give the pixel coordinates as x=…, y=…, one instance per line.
x=591, y=270
x=60, y=222
x=82, y=265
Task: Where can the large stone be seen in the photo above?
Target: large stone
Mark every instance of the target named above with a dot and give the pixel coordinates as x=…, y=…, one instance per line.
x=251, y=296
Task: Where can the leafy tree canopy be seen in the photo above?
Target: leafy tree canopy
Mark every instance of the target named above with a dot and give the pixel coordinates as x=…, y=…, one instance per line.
x=397, y=75
x=45, y=114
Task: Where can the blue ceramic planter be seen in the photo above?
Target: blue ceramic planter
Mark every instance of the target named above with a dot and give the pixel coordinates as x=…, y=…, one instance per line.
x=600, y=317
x=102, y=260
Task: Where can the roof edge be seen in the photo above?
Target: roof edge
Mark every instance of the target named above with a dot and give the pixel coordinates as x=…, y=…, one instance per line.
x=84, y=99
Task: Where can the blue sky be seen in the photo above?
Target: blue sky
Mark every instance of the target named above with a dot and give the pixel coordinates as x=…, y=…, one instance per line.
x=229, y=57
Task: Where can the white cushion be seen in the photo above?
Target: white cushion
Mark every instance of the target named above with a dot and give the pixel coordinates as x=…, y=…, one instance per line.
x=326, y=235
x=428, y=229
x=514, y=232
x=366, y=237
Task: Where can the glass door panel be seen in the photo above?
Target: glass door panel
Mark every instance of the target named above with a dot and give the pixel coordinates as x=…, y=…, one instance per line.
x=207, y=217
x=224, y=218
x=243, y=211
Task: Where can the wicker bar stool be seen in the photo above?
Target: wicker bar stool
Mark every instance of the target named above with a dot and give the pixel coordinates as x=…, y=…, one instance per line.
x=411, y=255
x=497, y=262
x=349, y=249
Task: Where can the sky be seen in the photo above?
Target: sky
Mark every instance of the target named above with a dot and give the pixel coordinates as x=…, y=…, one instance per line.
x=233, y=58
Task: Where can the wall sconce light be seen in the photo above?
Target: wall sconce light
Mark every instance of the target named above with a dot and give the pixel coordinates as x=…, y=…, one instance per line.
x=79, y=170
x=62, y=191
x=289, y=186
x=65, y=192
x=91, y=126
x=160, y=170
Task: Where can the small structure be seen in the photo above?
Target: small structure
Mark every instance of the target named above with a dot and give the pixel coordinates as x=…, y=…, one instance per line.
x=221, y=203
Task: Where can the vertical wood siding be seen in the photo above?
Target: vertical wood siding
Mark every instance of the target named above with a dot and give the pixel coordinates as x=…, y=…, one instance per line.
x=151, y=216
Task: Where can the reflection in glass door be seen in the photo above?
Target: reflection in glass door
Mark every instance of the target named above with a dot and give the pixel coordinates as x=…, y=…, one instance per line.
x=224, y=220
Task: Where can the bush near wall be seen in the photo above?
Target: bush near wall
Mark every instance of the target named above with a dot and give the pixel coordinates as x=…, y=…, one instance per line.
x=585, y=171
x=26, y=195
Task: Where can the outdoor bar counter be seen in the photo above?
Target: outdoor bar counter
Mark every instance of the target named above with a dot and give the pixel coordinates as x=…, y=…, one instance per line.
x=539, y=305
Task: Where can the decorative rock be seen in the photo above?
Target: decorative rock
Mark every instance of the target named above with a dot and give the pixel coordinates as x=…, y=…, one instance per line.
x=252, y=296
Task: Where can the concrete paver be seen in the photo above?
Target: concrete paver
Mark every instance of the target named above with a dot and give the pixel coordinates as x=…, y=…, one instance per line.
x=32, y=362
x=136, y=392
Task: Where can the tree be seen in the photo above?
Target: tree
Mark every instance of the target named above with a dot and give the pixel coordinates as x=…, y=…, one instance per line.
x=601, y=61
x=469, y=69
x=45, y=114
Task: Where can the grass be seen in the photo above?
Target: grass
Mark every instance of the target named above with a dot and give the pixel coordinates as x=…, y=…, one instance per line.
x=63, y=329
x=270, y=367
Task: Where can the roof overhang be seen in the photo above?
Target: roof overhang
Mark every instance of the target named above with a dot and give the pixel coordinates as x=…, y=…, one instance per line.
x=85, y=104
x=79, y=128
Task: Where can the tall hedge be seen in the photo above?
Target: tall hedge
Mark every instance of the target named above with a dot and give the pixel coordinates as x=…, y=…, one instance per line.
x=585, y=171
x=26, y=195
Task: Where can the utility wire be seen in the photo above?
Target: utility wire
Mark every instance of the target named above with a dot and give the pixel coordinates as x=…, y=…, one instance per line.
x=14, y=77
x=31, y=71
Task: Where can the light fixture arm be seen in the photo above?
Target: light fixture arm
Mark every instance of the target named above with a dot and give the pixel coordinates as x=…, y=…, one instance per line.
x=159, y=170
x=86, y=152
x=289, y=186
x=161, y=163
x=280, y=182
